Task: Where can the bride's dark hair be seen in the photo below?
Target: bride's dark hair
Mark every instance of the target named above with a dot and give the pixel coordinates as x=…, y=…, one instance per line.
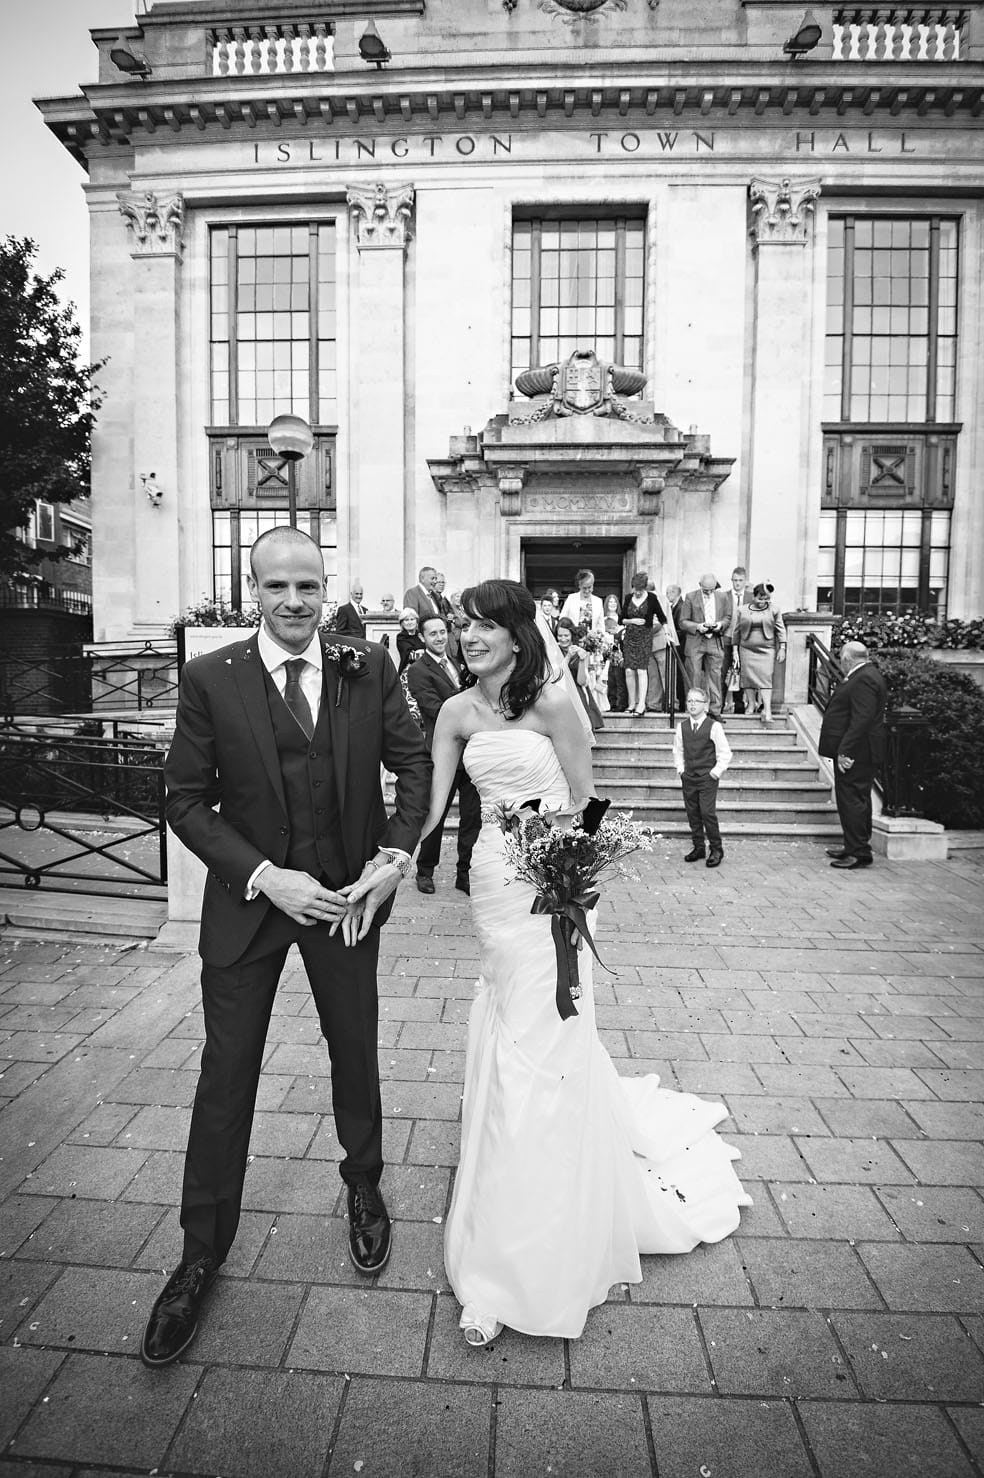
x=511, y=605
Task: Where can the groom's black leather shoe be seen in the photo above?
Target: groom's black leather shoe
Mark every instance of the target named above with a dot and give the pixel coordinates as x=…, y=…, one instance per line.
x=837, y=852
x=849, y=861
x=462, y=881
x=696, y=854
x=425, y=883
x=369, y=1228
x=173, y=1321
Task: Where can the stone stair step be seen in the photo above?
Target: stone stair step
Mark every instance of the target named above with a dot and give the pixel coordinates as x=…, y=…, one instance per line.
x=655, y=773
x=34, y=910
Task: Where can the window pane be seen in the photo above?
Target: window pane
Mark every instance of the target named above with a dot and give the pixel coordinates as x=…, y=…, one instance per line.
x=890, y=321
x=270, y=303
x=579, y=300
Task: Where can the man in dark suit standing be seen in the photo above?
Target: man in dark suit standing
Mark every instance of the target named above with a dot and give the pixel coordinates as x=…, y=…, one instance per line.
x=273, y=780
x=433, y=680
x=739, y=595
x=705, y=616
x=674, y=604
x=350, y=619
x=852, y=734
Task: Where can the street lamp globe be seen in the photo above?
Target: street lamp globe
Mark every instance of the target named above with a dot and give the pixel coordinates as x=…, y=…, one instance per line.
x=290, y=437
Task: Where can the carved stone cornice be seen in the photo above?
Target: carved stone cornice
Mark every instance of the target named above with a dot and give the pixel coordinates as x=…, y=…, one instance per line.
x=383, y=215
x=869, y=95
x=155, y=223
x=781, y=211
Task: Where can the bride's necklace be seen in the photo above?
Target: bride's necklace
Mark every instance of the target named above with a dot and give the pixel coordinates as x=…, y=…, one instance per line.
x=495, y=707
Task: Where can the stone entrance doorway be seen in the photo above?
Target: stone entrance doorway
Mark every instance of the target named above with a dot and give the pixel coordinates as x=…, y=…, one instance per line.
x=553, y=564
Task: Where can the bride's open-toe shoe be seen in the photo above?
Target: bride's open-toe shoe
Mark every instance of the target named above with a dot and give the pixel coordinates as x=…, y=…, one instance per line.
x=478, y=1331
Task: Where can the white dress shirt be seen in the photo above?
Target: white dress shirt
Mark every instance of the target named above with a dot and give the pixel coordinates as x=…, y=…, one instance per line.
x=275, y=660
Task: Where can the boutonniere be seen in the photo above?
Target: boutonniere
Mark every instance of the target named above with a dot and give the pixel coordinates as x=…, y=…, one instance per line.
x=350, y=662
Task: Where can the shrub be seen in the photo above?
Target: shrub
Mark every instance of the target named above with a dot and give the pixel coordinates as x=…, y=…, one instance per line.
x=208, y=612
x=911, y=630
x=954, y=706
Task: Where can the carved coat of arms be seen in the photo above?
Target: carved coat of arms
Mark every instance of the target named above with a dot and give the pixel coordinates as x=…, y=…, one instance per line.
x=574, y=10
x=582, y=385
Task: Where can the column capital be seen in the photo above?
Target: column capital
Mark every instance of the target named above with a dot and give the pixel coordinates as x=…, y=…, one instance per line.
x=781, y=211
x=156, y=224
x=383, y=215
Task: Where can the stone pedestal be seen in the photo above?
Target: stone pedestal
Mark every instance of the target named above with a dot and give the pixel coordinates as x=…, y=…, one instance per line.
x=800, y=625
x=156, y=226
x=781, y=231
x=382, y=219
x=908, y=839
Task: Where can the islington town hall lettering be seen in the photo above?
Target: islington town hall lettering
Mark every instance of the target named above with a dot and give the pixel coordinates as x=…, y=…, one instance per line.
x=609, y=143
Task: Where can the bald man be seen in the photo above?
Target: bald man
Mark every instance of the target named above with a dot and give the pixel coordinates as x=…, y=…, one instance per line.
x=852, y=734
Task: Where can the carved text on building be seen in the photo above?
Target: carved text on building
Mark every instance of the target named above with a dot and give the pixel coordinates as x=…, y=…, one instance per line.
x=652, y=143
x=579, y=503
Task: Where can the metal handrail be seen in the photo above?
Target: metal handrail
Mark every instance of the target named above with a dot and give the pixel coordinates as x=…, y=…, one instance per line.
x=674, y=665
x=824, y=675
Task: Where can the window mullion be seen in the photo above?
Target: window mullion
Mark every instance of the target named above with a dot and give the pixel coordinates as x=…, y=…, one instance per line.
x=535, y=227
x=840, y=556
x=314, y=333
x=934, y=317
x=847, y=342
x=233, y=302
x=620, y=290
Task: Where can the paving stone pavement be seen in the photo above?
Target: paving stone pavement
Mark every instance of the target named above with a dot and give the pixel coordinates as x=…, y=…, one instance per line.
x=840, y=1332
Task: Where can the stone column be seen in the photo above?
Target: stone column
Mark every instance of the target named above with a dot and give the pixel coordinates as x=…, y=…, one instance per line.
x=778, y=491
x=156, y=227
x=382, y=219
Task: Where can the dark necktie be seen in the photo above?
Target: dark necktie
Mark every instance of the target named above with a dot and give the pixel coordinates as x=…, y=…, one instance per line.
x=452, y=675
x=294, y=695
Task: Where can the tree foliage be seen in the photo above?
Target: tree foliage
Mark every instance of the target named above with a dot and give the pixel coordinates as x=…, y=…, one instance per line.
x=47, y=402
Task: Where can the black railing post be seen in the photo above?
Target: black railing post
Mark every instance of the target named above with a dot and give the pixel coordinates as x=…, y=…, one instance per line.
x=906, y=730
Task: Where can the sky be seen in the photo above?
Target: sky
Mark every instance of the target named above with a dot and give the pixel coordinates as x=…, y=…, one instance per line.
x=49, y=54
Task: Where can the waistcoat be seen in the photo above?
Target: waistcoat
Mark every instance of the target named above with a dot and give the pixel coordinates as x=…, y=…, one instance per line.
x=699, y=754
x=313, y=814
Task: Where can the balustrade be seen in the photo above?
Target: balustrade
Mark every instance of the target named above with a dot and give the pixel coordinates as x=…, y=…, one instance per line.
x=923, y=35
x=261, y=51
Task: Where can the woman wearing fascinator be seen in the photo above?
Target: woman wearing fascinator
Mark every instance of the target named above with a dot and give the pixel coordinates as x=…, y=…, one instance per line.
x=568, y=1173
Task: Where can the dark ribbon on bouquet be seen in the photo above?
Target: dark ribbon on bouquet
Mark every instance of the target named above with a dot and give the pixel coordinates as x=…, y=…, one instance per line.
x=564, y=919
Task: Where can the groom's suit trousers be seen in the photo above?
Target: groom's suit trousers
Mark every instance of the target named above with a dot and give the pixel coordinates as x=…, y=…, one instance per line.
x=238, y=1001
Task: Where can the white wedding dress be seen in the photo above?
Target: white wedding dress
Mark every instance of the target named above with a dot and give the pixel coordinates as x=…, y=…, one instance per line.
x=568, y=1172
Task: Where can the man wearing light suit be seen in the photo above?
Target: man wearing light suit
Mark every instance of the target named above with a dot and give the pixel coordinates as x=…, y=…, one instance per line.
x=421, y=597
x=273, y=782
x=705, y=616
x=432, y=680
x=852, y=734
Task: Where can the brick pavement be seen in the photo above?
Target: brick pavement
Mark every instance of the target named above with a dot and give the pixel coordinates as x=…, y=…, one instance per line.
x=839, y=1333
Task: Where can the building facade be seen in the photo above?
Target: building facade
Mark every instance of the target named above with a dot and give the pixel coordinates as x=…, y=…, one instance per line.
x=635, y=284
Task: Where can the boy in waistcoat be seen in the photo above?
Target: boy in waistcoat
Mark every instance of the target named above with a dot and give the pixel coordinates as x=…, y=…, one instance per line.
x=701, y=754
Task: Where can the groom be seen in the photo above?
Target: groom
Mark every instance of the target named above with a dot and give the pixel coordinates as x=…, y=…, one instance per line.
x=273, y=780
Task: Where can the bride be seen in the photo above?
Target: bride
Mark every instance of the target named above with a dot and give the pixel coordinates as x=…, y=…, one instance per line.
x=567, y=1171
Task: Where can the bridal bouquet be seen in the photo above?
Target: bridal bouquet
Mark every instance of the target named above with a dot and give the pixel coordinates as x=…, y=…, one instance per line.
x=596, y=644
x=563, y=858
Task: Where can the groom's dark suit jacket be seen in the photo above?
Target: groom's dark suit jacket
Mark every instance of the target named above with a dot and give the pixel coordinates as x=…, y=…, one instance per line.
x=225, y=790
